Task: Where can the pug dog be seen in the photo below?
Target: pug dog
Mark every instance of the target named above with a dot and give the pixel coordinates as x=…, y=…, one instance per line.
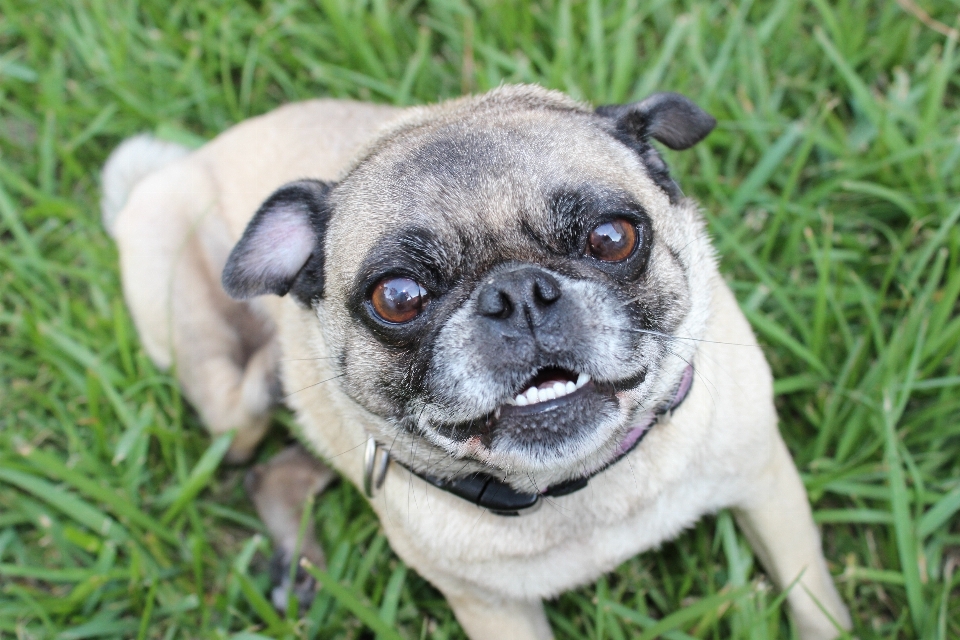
x=498, y=315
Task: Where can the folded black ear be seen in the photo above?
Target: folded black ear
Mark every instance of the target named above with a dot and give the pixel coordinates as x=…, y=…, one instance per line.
x=669, y=118
x=282, y=247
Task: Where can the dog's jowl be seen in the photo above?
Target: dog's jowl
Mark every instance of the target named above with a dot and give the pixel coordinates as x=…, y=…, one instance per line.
x=518, y=317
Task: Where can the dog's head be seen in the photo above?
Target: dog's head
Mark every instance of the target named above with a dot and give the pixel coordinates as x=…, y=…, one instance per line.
x=501, y=279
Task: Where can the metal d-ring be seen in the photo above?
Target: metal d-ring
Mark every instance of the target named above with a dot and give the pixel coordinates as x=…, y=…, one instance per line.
x=375, y=462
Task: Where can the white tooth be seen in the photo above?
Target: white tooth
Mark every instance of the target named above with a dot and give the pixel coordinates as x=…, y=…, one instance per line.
x=582, y=379
x=547, y=394
x=570, y=387
x=532, y=397
x=521, y=400
x=559, y=389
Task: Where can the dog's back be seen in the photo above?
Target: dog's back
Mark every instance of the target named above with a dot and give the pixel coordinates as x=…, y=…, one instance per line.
x=175, y=216
x=130, y=163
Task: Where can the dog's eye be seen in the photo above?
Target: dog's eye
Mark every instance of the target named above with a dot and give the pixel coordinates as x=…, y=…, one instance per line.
x=398, y=300
x=612, y=241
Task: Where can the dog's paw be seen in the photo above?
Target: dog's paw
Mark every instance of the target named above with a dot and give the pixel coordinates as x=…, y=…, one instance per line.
x=303, y=586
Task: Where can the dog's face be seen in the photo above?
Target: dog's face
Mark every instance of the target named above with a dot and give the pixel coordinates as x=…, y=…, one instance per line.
x=498, y=278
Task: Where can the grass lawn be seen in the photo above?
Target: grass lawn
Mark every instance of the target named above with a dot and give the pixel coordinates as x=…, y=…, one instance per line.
x=831, y=186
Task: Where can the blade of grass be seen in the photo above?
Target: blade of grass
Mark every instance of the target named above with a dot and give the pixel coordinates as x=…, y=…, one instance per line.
x=351, y=601
x=199, y=476
x=693, y=612
x=900, y=499
x=80, y=510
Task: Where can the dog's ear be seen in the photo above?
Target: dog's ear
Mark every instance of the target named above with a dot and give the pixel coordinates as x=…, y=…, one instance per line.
x=669, y=118
x=282, y=245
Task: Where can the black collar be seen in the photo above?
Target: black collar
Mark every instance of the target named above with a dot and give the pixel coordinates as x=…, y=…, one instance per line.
x=487, y=492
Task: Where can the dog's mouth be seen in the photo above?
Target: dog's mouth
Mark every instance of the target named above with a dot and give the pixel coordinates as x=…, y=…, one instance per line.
x=552, y=383
x=553, y=407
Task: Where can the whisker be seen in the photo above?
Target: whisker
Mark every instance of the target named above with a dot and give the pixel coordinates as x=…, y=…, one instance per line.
x=633, y=472
x=410, y=491
x=533, y=481
x=348, y=450
x=313, y=385
x=667, y=336
x=482, y=513
x=683, y=248
x=556, y=506
x=465, y=464
x=697, y=373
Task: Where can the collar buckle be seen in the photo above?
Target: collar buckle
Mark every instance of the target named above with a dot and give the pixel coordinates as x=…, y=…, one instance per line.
x=376, y=459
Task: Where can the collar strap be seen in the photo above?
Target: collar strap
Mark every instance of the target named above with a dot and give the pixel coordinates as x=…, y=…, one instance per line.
x=492, y=494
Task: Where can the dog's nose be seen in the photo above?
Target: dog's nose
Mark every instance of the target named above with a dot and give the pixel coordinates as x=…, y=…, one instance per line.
x=524, y=293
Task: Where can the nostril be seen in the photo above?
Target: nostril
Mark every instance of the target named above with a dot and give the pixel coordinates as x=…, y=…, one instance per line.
x=494, y=303
x=546, y=290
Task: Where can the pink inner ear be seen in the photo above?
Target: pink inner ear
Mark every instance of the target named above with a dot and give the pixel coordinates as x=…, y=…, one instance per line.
x=282, y=244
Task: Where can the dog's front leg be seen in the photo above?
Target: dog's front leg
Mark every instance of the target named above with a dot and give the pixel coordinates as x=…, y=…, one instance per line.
x=487, y=619
x=279, y=489
x=777, y=520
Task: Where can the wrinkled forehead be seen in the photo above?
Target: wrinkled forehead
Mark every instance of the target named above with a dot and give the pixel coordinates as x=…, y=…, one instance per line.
x=473, y=178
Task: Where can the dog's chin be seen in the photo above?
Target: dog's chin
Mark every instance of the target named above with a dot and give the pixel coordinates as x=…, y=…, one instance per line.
x=566, y=424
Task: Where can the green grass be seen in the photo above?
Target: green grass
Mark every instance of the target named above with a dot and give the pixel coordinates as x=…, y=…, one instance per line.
x=831, y=187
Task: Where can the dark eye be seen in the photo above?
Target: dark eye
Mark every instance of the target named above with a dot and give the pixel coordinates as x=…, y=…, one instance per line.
x=612, y=241
x=398, y=300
